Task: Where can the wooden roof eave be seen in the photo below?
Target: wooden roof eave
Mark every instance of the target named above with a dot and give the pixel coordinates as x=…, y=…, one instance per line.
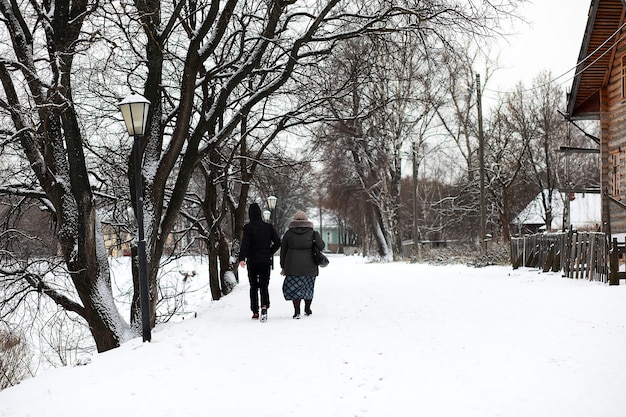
x=588, y=109
x=606, y=18
x=571, y=111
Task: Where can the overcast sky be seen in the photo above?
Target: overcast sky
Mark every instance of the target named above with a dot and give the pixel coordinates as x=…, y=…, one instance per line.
x=551, y=40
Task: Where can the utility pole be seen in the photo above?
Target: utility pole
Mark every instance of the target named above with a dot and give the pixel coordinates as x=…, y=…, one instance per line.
x=416, y=239
x=481, y=158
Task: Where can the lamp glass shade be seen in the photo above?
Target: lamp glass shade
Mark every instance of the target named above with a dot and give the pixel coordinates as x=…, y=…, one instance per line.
x=266, y=215
x=271, y=202
x=134, y=110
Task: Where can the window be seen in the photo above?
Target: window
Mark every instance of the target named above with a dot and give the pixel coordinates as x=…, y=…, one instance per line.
x=615, y=170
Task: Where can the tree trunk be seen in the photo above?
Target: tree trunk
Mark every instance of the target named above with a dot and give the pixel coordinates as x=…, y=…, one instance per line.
x=225, y=264
x=380, y=233
x=107, y=327
x=214, y=278
x=90, y=274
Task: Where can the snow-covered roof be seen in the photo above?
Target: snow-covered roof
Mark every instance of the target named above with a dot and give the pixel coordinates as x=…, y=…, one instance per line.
x=584, y=211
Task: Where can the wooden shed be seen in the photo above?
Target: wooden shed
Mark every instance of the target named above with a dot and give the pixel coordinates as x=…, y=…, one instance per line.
x=599, y=93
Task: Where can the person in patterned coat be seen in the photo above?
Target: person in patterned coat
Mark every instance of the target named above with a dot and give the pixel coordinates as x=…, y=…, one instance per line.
x=297, y=264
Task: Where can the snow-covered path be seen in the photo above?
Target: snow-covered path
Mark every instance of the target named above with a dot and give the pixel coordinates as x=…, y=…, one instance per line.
x=384, y=340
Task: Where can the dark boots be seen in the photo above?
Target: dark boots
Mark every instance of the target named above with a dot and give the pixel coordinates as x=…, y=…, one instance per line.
x=296, y=308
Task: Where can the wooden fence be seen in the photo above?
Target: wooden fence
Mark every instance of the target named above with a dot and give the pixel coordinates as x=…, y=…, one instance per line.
x=579, y=255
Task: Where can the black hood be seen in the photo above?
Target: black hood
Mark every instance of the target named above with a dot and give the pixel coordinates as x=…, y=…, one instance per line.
x=254, y=212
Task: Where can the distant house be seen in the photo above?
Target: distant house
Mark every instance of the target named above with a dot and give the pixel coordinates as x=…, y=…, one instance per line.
x=339, y=237
x=580, y=210
x=119, y=240
x=599, y=93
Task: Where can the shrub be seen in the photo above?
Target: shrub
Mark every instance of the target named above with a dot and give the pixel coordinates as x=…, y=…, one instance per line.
x=14, y=359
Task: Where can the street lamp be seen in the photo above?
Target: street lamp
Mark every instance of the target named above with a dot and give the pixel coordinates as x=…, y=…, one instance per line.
x=134, y=110
x=271, y=202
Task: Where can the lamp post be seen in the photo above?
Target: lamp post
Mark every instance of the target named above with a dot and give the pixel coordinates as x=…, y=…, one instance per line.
x=134, y=109
x=271, y=203
x=481, y=159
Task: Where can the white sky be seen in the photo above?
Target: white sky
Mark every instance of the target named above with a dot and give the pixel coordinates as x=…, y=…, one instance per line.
x=550, y=40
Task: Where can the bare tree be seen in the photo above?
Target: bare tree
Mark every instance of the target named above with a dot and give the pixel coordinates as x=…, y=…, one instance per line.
x=237, y=58
x=534, y=118
x=382, y=111
x=504, y=167
x=459, y=114
x=36, y=76
x=459, y=119
x=204, y=65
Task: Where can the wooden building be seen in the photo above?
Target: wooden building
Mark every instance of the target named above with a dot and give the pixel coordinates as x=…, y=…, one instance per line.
x=599, y=93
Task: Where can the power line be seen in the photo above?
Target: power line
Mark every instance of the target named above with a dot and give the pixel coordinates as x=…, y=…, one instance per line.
x=577, y=64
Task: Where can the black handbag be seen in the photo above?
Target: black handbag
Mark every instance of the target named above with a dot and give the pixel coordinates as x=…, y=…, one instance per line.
x=320, y=259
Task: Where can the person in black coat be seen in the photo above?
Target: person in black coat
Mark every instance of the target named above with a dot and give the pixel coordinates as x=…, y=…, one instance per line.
x=260, y=242
x=296, y=261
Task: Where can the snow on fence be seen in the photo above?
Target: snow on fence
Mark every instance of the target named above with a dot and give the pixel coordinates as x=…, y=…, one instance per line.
x=579, y=255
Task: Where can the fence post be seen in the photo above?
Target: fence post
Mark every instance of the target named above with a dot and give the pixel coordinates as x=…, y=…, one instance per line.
x=547, y=265
x=559, y=254
x=592, y=256
x=567, y=254
x=604, y=257
x=614, y=273
x=574, y=256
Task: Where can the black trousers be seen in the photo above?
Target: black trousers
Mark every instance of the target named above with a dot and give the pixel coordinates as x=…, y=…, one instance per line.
x=259, y=277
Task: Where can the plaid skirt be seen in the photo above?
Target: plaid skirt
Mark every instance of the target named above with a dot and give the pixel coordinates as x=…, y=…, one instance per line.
x=298, y=287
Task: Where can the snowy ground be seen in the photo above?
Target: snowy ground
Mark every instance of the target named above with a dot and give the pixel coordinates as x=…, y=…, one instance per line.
x=384, y=340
